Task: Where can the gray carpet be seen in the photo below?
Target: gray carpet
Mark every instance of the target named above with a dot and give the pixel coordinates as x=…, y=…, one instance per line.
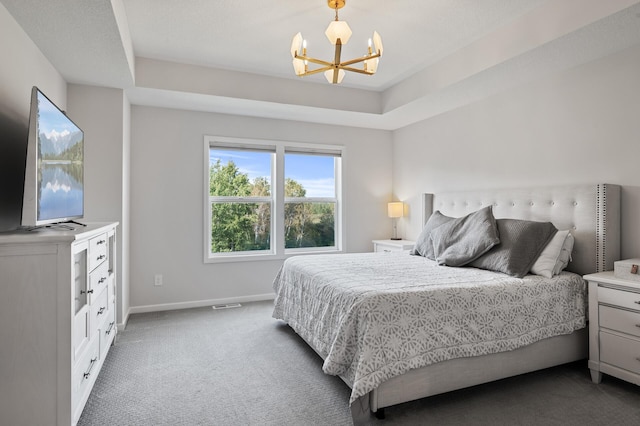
x=241, y=367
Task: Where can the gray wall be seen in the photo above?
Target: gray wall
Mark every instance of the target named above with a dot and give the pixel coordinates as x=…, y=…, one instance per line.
x=167, y=202
x=104, y=116
x=579, y=126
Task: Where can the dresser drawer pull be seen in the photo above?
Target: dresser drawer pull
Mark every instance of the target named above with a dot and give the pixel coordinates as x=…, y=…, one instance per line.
x=110, y=328
x=100, y=242
x=102, y=256
x=101, y=310
x=88, y=373
x=101, y=280
x=88, y=291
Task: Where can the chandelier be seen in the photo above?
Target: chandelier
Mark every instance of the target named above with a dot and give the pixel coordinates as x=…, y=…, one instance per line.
x=338, y=33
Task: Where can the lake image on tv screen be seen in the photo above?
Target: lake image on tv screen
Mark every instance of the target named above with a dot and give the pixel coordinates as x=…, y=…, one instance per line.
x=60, y=167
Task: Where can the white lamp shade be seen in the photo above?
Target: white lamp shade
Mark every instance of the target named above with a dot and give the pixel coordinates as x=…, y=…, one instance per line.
x=329, y=75
x=338, y=30
x=377, y=42
x=395, y=209
x=296, y=45
x=371, y=65
x=298, y=66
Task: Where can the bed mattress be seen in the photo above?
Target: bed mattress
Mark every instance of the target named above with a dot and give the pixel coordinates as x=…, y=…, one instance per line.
x=374, y=316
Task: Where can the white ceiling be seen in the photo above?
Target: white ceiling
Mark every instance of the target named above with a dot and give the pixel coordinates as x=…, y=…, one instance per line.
x=439, y=54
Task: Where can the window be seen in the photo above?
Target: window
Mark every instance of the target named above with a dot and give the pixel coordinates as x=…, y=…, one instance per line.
x=266, y=198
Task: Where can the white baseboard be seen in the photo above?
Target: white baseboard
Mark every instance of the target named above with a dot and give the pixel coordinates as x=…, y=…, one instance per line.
x=199, y=303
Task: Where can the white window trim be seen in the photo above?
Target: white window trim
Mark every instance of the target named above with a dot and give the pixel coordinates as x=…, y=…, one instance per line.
x=278, y=250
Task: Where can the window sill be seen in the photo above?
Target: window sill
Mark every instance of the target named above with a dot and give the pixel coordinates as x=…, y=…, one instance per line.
x=266, y=257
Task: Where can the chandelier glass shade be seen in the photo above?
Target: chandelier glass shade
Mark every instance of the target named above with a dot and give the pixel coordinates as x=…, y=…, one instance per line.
x=338, y=33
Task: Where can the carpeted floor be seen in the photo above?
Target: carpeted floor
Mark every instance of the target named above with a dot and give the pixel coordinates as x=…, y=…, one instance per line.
x=241, y=367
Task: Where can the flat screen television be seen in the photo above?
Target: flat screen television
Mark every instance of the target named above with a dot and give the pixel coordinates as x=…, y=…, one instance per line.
x=54, y=170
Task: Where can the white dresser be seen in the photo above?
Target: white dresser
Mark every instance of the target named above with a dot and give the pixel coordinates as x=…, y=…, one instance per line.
x=614, y=327
x=57, y=310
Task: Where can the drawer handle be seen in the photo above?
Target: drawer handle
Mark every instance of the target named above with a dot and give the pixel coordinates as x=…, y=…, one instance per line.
x=88, y=291
x=88, y=373
x=110, y=328
x=101, y=242
x=101, y=310
x=101, y=280
x=102, y=256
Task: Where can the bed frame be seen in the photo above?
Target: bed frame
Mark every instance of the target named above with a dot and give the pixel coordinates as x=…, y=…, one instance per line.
x=591, y=212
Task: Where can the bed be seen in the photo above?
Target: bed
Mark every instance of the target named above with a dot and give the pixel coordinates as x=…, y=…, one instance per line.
x=395, y=329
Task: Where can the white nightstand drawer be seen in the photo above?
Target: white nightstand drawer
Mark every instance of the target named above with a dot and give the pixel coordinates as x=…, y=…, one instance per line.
x=625, y=299
x=620, y=320
x=388, y=249
x=388, y=246
x=620, y=352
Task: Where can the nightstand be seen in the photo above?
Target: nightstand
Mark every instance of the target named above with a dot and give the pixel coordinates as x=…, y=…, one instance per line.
x=614, y=327
x=392, y=245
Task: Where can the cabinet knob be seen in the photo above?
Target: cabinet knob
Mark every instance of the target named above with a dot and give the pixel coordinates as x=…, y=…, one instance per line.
x=88, y=291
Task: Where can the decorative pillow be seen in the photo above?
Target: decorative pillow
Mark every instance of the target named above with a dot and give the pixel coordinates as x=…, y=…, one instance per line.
x=424, y=245
x=460, y=241
x=553, y=257
x=565, y=255
x=521, y=242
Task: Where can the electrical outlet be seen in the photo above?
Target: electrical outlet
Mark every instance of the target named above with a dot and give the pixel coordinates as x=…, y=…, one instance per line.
x=157, y=280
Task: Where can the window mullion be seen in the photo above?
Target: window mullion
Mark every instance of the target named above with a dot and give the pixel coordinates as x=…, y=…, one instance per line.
x=278, y=194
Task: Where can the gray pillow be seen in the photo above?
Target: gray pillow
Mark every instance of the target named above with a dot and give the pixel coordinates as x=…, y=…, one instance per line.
x=463, y=240
x=424, y=245
x=521, y=242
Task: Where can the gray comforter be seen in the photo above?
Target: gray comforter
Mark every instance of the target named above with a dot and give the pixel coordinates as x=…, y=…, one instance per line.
x=374, y=316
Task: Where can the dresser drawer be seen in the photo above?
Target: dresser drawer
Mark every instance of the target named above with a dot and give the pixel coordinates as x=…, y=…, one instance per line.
x=84, y=376
x=98, y=279
x=620, y=352
x=625, y=299
x=97, y=251
x=620, y=320
x=107, y=333
x=99, y=312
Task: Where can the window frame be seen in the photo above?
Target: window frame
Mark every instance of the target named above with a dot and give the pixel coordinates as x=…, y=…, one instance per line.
x=277, y=199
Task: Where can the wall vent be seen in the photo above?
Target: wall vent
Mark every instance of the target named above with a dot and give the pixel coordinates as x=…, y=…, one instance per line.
x=226, y=306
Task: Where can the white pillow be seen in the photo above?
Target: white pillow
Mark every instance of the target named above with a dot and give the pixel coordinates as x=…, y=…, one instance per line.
x=565, y=255
x=555, y=256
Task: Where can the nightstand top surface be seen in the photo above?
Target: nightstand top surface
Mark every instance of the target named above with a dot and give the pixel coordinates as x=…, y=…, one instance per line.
x=608, y=277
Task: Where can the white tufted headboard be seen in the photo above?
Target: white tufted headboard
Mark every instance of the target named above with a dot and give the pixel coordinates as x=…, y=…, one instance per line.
x=591, y=212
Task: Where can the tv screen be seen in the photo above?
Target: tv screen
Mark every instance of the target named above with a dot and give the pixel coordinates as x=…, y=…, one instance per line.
x=54, y=172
